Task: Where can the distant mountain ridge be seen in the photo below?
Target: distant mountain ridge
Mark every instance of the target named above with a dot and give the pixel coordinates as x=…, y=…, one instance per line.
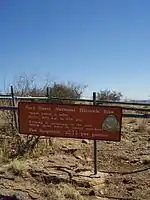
x=140, y=101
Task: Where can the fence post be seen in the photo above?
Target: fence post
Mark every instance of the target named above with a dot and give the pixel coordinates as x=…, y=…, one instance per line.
x=48, y=141
x=95, y=142
x=14, y=111
x=47, y=94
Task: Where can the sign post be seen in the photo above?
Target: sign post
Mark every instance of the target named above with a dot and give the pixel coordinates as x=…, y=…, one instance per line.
x=95, y=142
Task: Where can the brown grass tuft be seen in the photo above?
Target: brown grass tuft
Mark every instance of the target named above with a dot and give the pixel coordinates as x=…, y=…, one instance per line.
x=62, y=192
x=17, y=167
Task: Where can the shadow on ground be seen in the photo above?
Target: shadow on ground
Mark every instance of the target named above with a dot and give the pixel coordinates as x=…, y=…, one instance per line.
x=8, y=197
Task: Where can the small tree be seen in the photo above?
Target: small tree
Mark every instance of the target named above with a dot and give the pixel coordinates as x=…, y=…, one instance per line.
x=25, y=85
x=108, y=95
x=66, y=90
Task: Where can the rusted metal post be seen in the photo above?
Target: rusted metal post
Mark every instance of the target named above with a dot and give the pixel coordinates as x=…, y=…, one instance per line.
x=14, y=111
x=47, y=94
x=95, y=142
x=48, y=141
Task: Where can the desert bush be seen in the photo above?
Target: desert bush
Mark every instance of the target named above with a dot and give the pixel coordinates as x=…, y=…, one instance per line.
x=25, y=85
x=68, y=90
x=108, y=95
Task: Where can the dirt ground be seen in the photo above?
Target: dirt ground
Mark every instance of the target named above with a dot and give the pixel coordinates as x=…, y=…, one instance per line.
x=124, y=169
x=128, y=162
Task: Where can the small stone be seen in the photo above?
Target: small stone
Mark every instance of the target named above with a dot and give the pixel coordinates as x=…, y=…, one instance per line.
x=34, y=196
x=97, y=182
x=79, y=157
x=134, y=161
x=85, y=141
x=89, y=160
x=134, y=140
x=92, y=193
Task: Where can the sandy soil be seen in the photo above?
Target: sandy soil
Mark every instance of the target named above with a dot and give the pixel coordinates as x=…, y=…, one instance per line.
x=128, y=162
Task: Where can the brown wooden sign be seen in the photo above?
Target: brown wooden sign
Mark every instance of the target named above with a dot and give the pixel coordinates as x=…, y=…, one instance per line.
x=70, y=121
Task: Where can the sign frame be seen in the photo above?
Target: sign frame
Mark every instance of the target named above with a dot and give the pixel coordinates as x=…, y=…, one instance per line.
x=74, y=106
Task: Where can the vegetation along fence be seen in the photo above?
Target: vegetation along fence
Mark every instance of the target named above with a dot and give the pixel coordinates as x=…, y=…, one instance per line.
x=126, y=106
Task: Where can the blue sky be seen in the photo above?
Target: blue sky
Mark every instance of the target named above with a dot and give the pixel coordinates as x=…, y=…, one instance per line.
x=102, y=43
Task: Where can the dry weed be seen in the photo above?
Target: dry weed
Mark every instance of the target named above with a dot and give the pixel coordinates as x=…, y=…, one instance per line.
x=62, y=192
x=3, y=157
x=43, y=147
x=17, y=167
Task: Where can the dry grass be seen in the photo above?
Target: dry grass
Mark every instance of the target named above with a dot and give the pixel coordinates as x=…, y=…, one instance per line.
x=62, y=192
x=17, y=167
x=139, y=125
x=3, y=157
x=142, y=125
